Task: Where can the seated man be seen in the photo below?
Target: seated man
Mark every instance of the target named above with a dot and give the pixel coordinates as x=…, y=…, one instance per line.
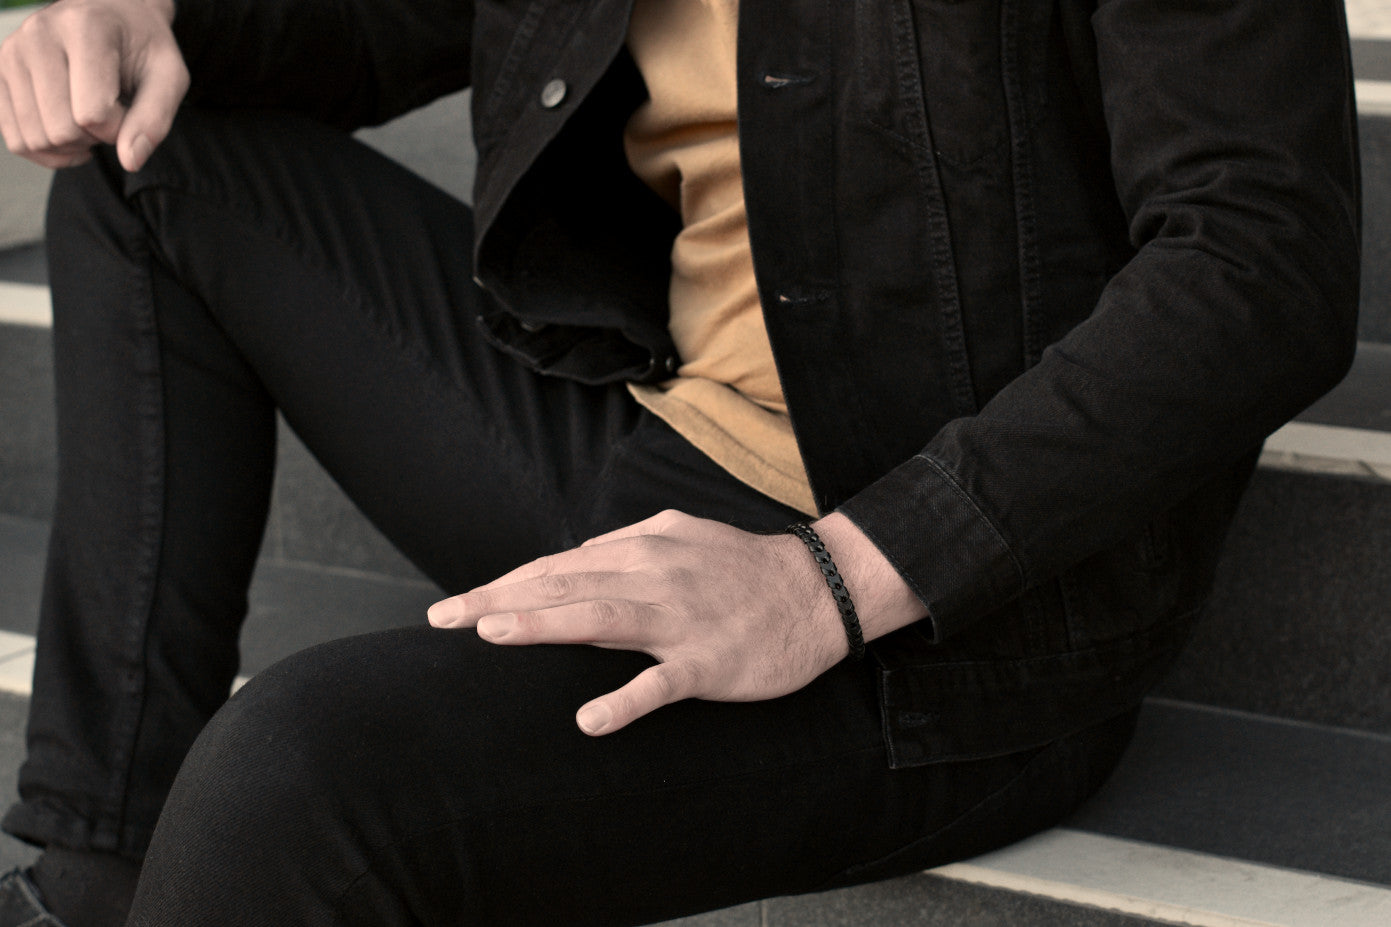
x=1000, y=297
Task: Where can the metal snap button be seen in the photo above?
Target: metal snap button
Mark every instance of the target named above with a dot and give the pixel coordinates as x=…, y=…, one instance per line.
x=553, y=94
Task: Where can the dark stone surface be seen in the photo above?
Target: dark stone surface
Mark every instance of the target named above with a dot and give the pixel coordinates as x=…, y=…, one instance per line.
x=435, y=141
x=1371, y=59
x=22, y=545
x=291, y=605
x=1363, y=399
x=930, y=901
x=296, y=606
x=24, y=264
x=744, y=915
x=1297, y=626
x=1375, y=323
x=27, y=456
x=312, y=521
x=1275, y=792
x=13, y=711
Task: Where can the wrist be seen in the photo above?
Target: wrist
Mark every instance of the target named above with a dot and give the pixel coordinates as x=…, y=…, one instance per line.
x=883, y=599
x=835, y=585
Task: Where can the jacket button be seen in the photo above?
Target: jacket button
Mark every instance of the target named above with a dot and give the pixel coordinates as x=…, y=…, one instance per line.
x=553, y=94
x=670, y=364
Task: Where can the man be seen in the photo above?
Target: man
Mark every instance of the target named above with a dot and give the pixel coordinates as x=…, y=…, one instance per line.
x=1006, y=293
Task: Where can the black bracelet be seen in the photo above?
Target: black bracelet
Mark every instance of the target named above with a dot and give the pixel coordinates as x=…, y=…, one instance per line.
x=809, y=537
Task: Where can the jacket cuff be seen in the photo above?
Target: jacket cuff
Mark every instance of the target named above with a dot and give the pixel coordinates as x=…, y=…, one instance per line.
x=946, y=548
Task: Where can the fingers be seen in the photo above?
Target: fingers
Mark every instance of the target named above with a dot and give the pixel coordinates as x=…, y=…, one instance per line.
x=613, y=623
x=39, y=122
x=538, y=593
x=160, y=88
x=661, y=523
x=94, y=62
x=63, y=74
x=649, y=690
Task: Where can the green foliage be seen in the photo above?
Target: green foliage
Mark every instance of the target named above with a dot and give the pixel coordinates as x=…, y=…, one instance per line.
x=5, y=4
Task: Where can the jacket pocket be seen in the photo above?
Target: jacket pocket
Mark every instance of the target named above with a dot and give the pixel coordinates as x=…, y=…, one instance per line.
x=960, y=47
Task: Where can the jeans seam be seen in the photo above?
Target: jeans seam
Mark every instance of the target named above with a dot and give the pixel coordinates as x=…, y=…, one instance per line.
x=111, y=820
x=383, y=325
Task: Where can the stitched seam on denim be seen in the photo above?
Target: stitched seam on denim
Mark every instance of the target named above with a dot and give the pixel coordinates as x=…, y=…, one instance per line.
x=512, y=60
x=26, y=889
x=994, y=529
x=946, y=284
x=533, y=484
x=111, y=814
x=1022, y=175
x=559, y=802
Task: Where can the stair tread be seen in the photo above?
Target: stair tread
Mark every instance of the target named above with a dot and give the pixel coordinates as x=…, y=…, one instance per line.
x=1281, y=793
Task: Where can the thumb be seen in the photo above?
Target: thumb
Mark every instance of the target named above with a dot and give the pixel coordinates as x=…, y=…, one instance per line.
x=159, y=89
x=649, y=690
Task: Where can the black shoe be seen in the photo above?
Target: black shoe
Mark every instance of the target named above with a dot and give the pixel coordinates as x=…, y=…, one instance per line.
x=21, y=904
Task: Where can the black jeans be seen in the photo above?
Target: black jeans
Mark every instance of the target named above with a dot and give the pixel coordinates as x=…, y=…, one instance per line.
x=416, y=776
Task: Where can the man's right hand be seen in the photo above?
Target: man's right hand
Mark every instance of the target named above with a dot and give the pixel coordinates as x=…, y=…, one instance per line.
x=85, y=72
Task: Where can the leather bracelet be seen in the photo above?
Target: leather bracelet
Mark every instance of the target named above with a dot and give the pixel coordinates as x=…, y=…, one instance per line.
x=808, y=536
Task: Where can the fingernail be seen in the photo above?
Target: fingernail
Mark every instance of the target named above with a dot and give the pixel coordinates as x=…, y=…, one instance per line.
x=594, y=718
x=438, y=614
x=496, y=627
x=140, y=149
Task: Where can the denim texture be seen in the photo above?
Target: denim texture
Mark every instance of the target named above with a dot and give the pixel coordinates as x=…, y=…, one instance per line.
x=424, y=777
x=263, y=261
x=235, y=276
x=1038, y=275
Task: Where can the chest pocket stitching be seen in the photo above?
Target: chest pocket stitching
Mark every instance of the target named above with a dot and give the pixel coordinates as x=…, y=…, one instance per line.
x=512, y=61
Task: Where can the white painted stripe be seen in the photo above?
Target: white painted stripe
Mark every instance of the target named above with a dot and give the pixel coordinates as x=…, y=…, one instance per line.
x=25, y=304
x=17, y=665
x=1373, y=97
x=12, y=643
x=1178, y=886
x=1369, y=19
x=1333, y=442
x=17, y=673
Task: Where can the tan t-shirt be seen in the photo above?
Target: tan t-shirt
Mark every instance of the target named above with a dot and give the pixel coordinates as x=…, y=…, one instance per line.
x=684, y=143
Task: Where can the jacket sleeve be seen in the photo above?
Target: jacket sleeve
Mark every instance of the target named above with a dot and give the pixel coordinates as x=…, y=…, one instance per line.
x=347, y=62
x=1233, y=137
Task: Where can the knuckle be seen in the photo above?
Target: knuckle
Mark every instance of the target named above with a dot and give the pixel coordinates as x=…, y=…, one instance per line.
x=667, y=518
x=555, y=586
x=76, y=19
x=91, y=116
x=671, y=681
x=641, y=554
x=65, y=136
x=607, y=614
x=480, y=602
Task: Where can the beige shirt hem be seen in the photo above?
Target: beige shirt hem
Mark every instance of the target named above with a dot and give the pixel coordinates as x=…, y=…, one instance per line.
x=708, y=414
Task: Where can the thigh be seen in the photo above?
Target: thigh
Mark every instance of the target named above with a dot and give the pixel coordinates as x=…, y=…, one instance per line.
x=346, y=283
x=423, y=776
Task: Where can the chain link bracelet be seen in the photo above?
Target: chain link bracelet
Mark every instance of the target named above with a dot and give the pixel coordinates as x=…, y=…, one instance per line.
x=808, y=536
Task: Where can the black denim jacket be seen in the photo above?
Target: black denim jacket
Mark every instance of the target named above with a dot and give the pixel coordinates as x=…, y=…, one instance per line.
x=1039, y=276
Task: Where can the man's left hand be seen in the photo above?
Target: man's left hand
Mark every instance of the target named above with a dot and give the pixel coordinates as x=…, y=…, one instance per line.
x=729, y=615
